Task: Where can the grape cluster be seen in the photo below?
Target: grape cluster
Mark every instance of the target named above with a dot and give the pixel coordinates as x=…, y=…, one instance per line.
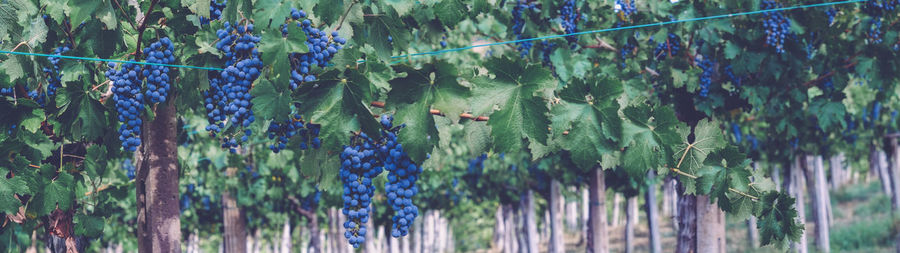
x=359, y=165
x=215, y=11
x=402, y=176
x=126, y=88
x=321, y=49
x=736, y=80
x=229, y=97
x=282, y=132
x=518, y=13
x=158, y=76
x=627, y=49
x=311, y=201
x=626, y=7
x=828, y=83
x=736, y=130
x=53, y=74
x=831, y=12
x=444, y=41
x=129, y=168
x=874, y=33
x=670, y=47
x=546, y=51
x=569, y=16
x=706, y=76
x=776, y=24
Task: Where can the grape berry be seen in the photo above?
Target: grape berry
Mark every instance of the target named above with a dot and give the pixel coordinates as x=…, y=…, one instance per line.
x=402, y=176
x=359, y=165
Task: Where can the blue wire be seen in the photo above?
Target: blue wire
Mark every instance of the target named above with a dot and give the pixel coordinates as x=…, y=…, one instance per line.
x=408, y=56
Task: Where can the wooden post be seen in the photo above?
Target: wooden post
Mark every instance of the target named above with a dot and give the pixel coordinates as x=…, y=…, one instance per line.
x=652, y=214
x=159, y=213
x=598, y=241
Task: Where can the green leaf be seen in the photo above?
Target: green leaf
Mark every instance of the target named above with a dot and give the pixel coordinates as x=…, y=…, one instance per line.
x=59, y=192
x=691, y=155
x=88, y=226
x=87, y=116
x=450, y=12
x=270, y=10
x=382, y=26
x=82, y=10
x=647, y=138
x=268, y=103
x=589, y=112
x=519, y=91
x=95, y=161
x=830, y=114
x=434, y=86
x=777, y=221
x=32, y=121
x=9, y=187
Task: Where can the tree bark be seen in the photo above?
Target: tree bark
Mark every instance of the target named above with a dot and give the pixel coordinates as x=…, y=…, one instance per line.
x=499, y=242
x=794, y=185
x=815, y=180
x=752, y=232
x=710, y=226
x=630, y=222
x=531, y=234
x=235, y=236
x=875, y=165
x=617, y=199
x=158, y=220
x=687, y=222
x=597, y=239
x=652, y=213
x=556, y=236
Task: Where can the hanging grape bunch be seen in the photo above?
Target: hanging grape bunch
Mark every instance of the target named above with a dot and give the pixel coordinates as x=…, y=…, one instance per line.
x=668, y=48
x=776, y=24
x=518, y=27
x=321, y=49
x=569, y=17
x=158, y=76
x=54, y=76
x=359, y=165
x=402, y=176
x=625, y=8
x=126, y=88
x=215, y=11
x=228, y=98
x=706, y=65
x=295, y=125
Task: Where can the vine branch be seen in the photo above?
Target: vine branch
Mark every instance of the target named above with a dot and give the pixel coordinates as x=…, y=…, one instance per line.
x=347, y=12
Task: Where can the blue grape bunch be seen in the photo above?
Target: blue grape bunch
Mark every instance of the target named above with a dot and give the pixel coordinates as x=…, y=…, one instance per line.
x=736, y=80
x=444, y=41
x=518, y=14
x=707, y=66
x=831, y=12
x=736, y=130
x=402, y=176
x=126, y=88
x=295, y=125
x=54, y=76
x=569, y=17
x=215, y=11
x=129, y=168
x=626, y=50
x=669, y=48
x=877, y=9
x=626, y=7
x=228, y=98
x=776, y=24
x=158, y=76
x=311, y=201
x=322, y=49
x=359, y=165
x=547, y=50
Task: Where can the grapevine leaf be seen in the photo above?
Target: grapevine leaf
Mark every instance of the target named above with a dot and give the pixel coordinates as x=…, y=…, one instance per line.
x=434, y=86
x=647, y=136
x=330, y=11
x=382, y=26
x=277, y=47
x=777, y=221
x=707, y=138
x=9, y=187
x=829, y=114
x=59, y=192
x=85, y=114
x=200, y=7
x=518, y=90
x=327, y=105
x=32, y=121
x=271, y=10
x=95, y=161
x=589, y=111
x=450, y=12
x=269, y=103
x=82, y=10
x=87, y=225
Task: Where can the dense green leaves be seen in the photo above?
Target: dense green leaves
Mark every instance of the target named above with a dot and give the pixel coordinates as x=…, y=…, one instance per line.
x=588, y=110
x=516, y=99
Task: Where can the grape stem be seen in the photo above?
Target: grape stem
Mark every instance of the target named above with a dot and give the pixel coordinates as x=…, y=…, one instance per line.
x=307, y=213
x=341, y=23
x=125, y=14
